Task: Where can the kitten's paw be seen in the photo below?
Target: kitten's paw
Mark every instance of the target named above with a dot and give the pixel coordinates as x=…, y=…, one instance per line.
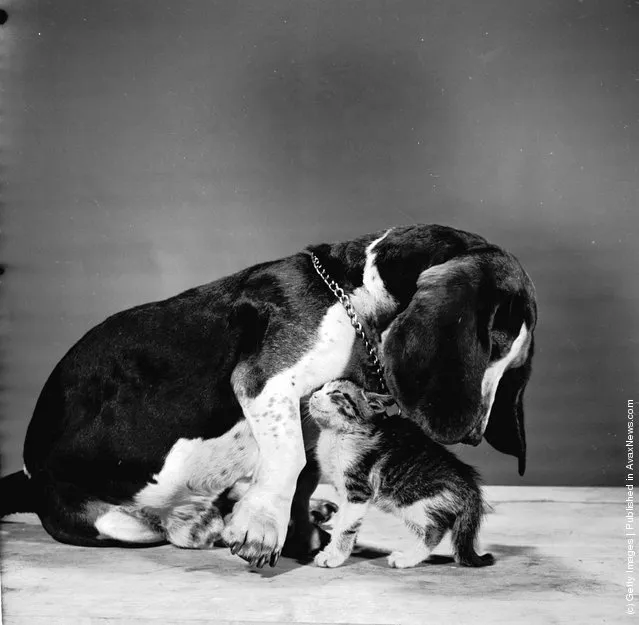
x=329, y=559
x=401, y=560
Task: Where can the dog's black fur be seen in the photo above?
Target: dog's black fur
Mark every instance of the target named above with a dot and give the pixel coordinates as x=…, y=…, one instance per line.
x=131, y=387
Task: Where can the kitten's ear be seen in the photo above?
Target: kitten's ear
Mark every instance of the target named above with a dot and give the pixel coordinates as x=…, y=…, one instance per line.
x=379, y=402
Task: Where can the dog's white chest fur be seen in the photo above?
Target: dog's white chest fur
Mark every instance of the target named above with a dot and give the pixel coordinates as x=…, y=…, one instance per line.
x=328, y=357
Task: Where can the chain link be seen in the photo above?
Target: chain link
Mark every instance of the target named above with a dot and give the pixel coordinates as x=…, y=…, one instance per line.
x=345, y=301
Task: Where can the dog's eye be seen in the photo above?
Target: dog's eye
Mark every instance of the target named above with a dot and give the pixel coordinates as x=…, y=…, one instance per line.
x=502, y=317
x=499, y=344
x=509, y=316
x=506, y=323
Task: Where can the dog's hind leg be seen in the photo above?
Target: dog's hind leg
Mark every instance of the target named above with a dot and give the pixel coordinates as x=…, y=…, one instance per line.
x=71, y=516
x=125, y=526
x=196, y=525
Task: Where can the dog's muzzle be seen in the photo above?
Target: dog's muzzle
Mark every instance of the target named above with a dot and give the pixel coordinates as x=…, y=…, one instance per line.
x=473, y=438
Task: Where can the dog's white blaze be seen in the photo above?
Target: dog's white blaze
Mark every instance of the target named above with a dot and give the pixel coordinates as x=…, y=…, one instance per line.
x=201, y=467
x=325, y=360
x=493, y=373
x=372, y=298
x=119, y=525
x=328, y=357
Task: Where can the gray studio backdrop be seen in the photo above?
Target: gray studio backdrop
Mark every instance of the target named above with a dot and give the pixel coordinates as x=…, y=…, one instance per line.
x=149, y=146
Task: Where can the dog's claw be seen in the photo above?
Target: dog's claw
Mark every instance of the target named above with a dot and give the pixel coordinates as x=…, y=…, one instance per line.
x=237, y=546
x=275, y=556
x=253, y=535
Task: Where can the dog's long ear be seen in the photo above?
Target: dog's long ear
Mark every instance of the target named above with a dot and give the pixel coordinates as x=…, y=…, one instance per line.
x=437, y=350
x=463, y=347
x=505, y=430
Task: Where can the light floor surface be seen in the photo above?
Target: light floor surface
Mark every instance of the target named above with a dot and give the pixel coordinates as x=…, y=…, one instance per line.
x=561, y=558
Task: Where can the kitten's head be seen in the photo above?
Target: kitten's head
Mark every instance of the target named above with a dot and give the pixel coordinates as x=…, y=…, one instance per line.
x=342, y=405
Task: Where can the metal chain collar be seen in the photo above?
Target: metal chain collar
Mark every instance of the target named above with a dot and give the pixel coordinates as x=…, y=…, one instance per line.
x=345, y=301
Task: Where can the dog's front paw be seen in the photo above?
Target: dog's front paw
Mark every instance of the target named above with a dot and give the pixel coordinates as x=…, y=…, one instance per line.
x=256, y=530
x=330, y=558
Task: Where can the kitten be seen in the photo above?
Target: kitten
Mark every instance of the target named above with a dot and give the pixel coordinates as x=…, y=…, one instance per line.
x=389, y=461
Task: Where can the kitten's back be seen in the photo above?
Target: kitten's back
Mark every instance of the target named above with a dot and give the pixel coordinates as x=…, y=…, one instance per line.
x=410, y=454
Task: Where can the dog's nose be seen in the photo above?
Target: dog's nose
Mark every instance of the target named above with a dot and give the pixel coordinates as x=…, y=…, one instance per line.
x=473, y=437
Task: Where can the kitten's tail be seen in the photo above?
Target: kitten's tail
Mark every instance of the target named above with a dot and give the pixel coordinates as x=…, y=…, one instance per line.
x=464, y=534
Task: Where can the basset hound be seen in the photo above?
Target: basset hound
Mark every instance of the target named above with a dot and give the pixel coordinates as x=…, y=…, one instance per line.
x=159, y=412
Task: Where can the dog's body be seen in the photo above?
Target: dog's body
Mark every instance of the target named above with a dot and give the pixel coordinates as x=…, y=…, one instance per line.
x=150, y=407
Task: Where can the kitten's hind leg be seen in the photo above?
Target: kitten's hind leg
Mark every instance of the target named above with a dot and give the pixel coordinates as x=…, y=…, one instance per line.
x=424, y=544
x=346, y=524
x=428, y=531
x=464, y=536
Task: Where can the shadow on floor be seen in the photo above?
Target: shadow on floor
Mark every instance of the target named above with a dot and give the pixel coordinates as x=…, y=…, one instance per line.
x=519, y=569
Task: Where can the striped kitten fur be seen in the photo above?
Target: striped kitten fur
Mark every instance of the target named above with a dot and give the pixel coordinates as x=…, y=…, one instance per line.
x=389, y=461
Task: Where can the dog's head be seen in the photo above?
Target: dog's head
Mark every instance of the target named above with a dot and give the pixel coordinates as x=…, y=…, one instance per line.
x=458, y=357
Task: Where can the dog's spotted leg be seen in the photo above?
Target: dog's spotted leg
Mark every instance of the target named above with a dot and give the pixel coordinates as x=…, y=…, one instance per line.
x=196, y=525
x=258, y=526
